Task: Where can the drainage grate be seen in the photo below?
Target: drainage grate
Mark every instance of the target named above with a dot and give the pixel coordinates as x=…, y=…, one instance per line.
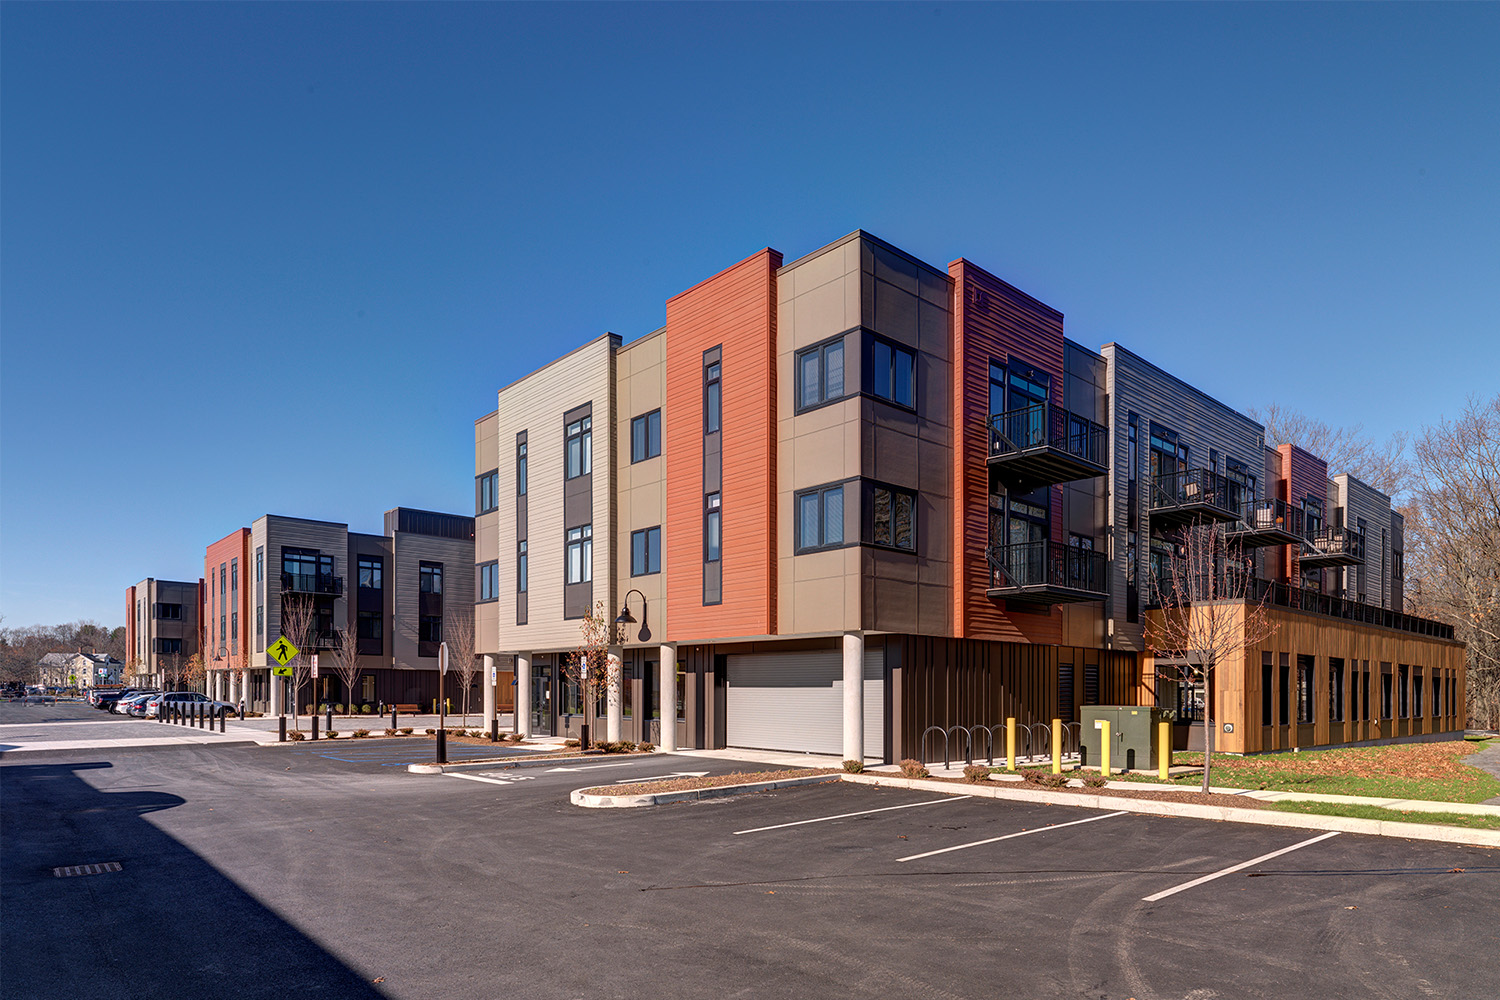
x=108, y=866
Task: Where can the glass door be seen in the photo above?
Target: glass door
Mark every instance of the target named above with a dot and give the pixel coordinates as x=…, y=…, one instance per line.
x=541, y=701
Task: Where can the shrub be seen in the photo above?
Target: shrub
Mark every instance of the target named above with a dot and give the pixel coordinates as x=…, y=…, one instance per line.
x=854, y=766
x=645, y=747
x=976, y=774
x=431, y=732
x=571, y=743
x=295, y=736
x=361, y=733
x=364, y=709
x=390, y=732
x=1046, y=779
x=337, y=708
x=333, y=734
x=406, y=731
x=914, y=769
x=514, y=737
x=1095, y=781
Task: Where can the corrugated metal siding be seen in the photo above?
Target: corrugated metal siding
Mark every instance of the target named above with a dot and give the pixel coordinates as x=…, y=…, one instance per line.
x=795, y=701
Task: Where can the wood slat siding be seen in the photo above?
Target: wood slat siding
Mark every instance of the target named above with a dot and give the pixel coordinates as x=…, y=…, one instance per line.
x=736, y=309
x=946, y=682
x=536, y=404
x=1237, y=695
x=1201, y=422
x=1303, y=474
x=992, y=319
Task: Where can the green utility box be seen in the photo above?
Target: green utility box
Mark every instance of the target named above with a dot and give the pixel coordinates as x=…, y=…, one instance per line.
x=1133, y=731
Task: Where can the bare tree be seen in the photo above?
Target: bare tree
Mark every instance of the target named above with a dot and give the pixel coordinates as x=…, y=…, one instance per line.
x=1453, y=543
x=173, y=671
x=346, y=663
x=196, y=671
x=1387, y=467
x=299, y=617
x=458, y=631
x=1208, y=616
x=588, y=667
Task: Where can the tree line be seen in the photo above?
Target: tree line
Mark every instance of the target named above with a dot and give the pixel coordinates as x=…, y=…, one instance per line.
x=21, y=647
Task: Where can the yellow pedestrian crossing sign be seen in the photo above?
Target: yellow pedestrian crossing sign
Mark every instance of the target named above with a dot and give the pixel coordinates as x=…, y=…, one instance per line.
x=282, y=651
x=281, y=671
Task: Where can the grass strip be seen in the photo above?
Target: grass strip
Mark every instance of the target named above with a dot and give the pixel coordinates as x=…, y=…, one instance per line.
x=1388, y=815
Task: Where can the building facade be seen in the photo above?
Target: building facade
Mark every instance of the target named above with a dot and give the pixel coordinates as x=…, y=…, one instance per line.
x=161, y=630
x=848, y=503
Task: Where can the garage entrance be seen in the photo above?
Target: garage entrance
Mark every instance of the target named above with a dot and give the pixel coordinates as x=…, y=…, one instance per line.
x=795, y=701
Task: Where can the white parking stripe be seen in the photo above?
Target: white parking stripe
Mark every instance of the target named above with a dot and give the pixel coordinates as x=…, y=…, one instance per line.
x=862, y=812
x=1008, y=836
x=1239, y=867
x=475, y=777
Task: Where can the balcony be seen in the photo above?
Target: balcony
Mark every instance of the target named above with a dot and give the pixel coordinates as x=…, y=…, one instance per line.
x=324, y=584
x=330, y=638
x=1271, y=593
x=1043, y=445
x=1046, y=573
x=1266, y=522
x=1197, y=495
x=1332, y=547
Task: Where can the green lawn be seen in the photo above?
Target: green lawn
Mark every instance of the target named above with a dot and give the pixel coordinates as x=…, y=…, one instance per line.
x=1389, y=815
x=1431, y=771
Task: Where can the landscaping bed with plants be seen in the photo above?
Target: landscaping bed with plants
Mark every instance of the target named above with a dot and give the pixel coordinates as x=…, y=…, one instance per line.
x=1431, y=771
x=707, y=781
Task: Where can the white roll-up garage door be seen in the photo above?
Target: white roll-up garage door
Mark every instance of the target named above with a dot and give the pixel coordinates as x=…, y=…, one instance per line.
x=795, y=701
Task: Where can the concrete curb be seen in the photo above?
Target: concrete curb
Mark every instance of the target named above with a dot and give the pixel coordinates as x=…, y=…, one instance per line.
x=578, y=797
x=507, y=762
x=1226, y=814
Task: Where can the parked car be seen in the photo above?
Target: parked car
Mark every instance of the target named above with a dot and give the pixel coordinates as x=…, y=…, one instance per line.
x=134, y=704
x=185, y=701
x=104, y=699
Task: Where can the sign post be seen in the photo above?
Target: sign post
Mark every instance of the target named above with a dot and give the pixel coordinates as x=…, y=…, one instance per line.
x=442, y=733
x=282, y=652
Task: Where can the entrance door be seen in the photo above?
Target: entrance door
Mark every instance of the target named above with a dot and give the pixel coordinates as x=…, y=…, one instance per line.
x=541, y=701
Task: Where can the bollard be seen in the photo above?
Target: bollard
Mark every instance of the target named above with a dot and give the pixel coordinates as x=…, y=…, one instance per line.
x=494, y=730
x=282, y=737
x=329, y=710
x=1057, y=746
x=442, y=746
x=198, y=715
x=394, y=723
x=1010, y=744
x=223, y=716
x=315, y=726
x=1164, y=748
x=1104, y=747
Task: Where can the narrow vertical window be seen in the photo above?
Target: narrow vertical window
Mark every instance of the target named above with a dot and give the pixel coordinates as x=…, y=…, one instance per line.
x=712, y=543
x=580, y=554
x=711, y=398
x=521, y=567
x=521, y=469
x=580, y=447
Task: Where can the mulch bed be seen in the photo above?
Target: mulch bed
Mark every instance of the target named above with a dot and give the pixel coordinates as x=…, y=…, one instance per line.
x=1191, y=798
x=708, y=781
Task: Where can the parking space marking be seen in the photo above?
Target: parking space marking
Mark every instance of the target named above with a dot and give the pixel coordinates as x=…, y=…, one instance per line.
x=862, y=812
x=493, y=781
x=1010, y=836
x=1239, y=867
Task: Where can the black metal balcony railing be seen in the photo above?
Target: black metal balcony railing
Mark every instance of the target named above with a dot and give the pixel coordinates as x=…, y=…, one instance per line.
x=312, y=583
x=1045, y=444
x=1197, y=493
x=1267, y=522
x=330, y=638
x=1334, y=547
x=1046, y=572
x=1285, y=595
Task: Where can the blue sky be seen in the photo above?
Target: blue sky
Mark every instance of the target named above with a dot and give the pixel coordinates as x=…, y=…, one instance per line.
x=277, y=258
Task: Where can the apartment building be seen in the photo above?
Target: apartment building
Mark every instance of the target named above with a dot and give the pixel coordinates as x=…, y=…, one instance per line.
x=855, y=500
x=161, y=629
x=396, y=592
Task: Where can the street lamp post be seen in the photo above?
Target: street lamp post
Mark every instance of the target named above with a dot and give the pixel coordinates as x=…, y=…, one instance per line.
x=626, y=618
x=221, y=656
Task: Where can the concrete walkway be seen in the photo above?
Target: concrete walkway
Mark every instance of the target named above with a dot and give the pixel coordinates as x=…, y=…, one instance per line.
x=1489, y=762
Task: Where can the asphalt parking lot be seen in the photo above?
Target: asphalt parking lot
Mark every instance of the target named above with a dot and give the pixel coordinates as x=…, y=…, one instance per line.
x=441, y=886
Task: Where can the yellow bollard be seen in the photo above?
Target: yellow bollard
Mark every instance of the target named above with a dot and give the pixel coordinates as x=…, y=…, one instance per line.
x=1057, y=746
x=1164, y=748
x=1010, y=744
x=1104, y=747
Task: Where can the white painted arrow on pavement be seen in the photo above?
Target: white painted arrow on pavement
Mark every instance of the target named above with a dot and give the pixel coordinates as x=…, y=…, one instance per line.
x=590, y=767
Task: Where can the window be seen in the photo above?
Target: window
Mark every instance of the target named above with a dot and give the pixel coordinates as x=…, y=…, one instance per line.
x=169, y=646
x=371, y=571
x=893, y=519
x=223, y=630
x=489, y=581
x=521, y=567
x=1386, y=691
x=367, y=686
x=1283, y=715
x=1266, y=690
x=820, y=518
x=520, y=468
x=430, y=629
x=820, y=374
x=645, y=551
x=431, y=580
x=234, y=574
x=234, y=627
x=580, y=447
x=645, y=436
x=711, y=391
x=260, y=620
x=892, y=373
x=260, y=565
x=1416, y=693
x=1403, y=703
x=487, y=486
x=681, y=691
x=1335, y=689
x=580, y=554
x=370, y=626
x=1304, y=689
x=712, y=541
x=167, y=612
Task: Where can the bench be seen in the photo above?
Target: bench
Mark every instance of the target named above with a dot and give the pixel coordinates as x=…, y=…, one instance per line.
x=407, y=709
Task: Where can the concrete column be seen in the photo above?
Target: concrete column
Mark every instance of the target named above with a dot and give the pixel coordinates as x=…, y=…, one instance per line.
x=523, y=693
x=218, y=685
x=278, y=688
x=489, y=690
x=854, y=696
x=613, y=720
x=668, y=685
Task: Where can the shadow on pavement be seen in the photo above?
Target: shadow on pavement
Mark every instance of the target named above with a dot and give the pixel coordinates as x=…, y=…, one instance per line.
x=168, y=924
